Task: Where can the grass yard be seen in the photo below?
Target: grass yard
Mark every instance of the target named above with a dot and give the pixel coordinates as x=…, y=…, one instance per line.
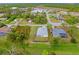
x=33, y=36
x=55, y=20
x=38, y=48
x=23, y=22
x=33, y=32
x=5, y=45
x=3, y=38
x=41, y=39
x=64, y=49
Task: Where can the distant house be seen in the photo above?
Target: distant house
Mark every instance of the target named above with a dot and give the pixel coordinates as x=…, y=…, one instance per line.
x=63, y=12
x=23, y=9
x=35, y=10
x=74, y=13
x=42, y=32
x=29, y=21
x=13, y=8
x=59, y=33
x=56, y=20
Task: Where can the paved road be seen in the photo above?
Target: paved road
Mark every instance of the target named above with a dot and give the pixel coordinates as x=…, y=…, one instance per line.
x=34, y=25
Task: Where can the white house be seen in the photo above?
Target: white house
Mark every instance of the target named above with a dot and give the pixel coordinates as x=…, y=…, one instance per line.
x=14, y=8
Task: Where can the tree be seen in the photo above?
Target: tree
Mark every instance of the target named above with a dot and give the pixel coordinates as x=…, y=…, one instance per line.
x=45, y=52
x=73, y=40
x=12, y=36
x=40, y=19
x=2, y=24
x=73, y=32
x=23, y=32
x=20, y=37
x=29, y=9
x=55, y=43
x=52, y=53
x=72, y=20
x=49, y=26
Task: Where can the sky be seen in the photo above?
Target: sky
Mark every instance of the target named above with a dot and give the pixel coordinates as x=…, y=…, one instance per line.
x=39, y=1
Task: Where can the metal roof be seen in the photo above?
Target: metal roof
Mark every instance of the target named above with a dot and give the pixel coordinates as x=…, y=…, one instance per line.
x=58, y=32
x=42, y=32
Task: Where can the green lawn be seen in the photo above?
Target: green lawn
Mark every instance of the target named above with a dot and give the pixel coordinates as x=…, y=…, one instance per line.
x=62, y=50
x=67, y=49
x=38, y=48
x=33, y=32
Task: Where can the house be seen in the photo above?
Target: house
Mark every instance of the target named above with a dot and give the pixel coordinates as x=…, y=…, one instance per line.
x=59, y=33
x=56, y=20
x=74, y=13
x=42, y=32
x=13, y=8
x=30, y=21
x=23, y=9
x=35, y=10
x=62, y=12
